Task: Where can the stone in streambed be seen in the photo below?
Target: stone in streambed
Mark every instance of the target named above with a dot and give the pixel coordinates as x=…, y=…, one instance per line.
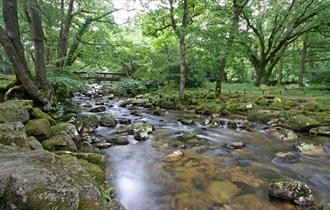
x=108, y=120
x=86, y=123
x=301, y=123
x=98, y=109
x=68, y=128
x=222, y=191
x=287, y=157
x=118, y=141
x=174, y=156
x=235, y=145
x=141, y=130
x=291, y=190
x=321, y=130
x=186, y=122
x=310, y=149
x=39, y=128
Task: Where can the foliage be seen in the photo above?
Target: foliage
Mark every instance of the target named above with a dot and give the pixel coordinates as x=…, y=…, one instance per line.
x=129, y=87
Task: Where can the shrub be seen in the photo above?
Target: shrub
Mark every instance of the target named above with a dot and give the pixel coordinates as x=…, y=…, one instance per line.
x=129, y=87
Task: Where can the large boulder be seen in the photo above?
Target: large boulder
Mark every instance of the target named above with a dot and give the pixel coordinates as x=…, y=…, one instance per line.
x=98, y=109
x=301, y=123
x=261, y=117
x=26, y=103
x=107, y=120
x=34, y=143
x=39, y=128
x=13, y=134
x=141, y=130
x=61, y=141
x=292, y=190
x=39, y=114
x=68, y=128
x=13, y=113
x=40, y=180
x=86, y=123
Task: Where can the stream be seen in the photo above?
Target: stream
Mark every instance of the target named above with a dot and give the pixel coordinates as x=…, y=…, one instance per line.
x=210, y=176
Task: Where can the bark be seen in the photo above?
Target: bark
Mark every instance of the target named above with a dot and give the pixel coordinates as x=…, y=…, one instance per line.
x=302, y=63
x=38, y=37
x=64, y=34
x=280, y=73
x=183, y=67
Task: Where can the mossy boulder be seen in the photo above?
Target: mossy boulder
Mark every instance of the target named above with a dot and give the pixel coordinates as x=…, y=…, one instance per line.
x=107, y=120
x=44, y=181
x=34, y=143
x=141, y=130
x=13, y=113
x=261, y=117
x=61, y=141
x=26, y=103
x=68, y=128
x=95, y=158
x=301, y=123
x=292, y=190
x=13, y=134
x=94, y=170
x=39, y=128
x=312, y=107
x=39, y=114
x=326, y=206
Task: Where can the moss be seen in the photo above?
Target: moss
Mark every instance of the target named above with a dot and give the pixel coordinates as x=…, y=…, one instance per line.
x=261, y=117
x=312, y=107
x=301, y=123
x=39, y=114
x=94, y=170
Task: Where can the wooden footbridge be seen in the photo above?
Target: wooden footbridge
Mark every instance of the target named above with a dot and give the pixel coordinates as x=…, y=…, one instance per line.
x=101, y=76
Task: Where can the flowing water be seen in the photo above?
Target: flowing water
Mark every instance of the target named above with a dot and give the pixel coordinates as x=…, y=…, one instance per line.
x=210, y=176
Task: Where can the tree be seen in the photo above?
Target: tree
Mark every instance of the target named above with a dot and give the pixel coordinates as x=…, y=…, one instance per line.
x=237, y=8
x=277, y=25
x=11, y=42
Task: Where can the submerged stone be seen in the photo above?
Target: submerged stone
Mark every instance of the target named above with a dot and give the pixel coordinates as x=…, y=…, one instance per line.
x=292, y=190
x=310, y=149
x=174, y=156
x=235, y=145
x=222, y=191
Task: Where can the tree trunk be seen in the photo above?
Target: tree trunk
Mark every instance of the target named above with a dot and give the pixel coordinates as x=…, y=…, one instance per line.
x=280, y=73
x=183, y=66
x=38, y=37
x=220, y=75
x=64, y=34
x=260, y=73
x=302, y=63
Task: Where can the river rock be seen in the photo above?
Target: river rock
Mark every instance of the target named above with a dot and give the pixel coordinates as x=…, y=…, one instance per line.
x=68, y=128
x=174, y=156
x=34, y=143
x=108, y=120
x=90, y=139
x=141, y=130
x=326, y=206
x=159, y=112
x=235, y=145
x=39, y=128
x=98, y=109
x=124, y=121
x=118, y=141
x=232, y=124
x=261, y=116
x=284, y=134
x=292, y=190
x=39, y=114
x=321, y=130
x=103, y=145
x=136, y=113
x=13, y=113
x=187, y=136
x=310, y=149
x=87, y=147
x=124, y=129
x=186, y=122
x=301, y=123
x=86, y=123
x=45, y=181
x=61, y=141
x=213, y=120
x=222, y=191
x=13, y=134
x=287, y=157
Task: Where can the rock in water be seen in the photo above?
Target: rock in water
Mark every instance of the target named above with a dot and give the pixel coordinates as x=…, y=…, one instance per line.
x=321, y=130
x=235, y=145
x=292, y=190
x=141, y=130
x=186, y=122
x=213, y=120
x=174, y=156
x=98, y=109
x=309, y=149
x=301, y=123
x=86, y=123
x=107, y=120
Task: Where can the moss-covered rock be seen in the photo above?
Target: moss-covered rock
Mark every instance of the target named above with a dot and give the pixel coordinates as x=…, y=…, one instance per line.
x=86, y=123
x=107, y=120
x=34, y=143
x=293, y=190
x=26, y=103
x=39, y=128
x=321, y=130
x=13, y=113
x=301, y=123
x=326, y=206
x=68, y=128
x=312, y=107
x=39, y=114
x=61, y=141
x=261, y=117
x=13, y=134
x=95, y=158
x=44, y=181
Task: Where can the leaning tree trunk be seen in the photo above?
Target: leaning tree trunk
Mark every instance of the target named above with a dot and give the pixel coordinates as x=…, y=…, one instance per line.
x=302, y=63
x=183, y=66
